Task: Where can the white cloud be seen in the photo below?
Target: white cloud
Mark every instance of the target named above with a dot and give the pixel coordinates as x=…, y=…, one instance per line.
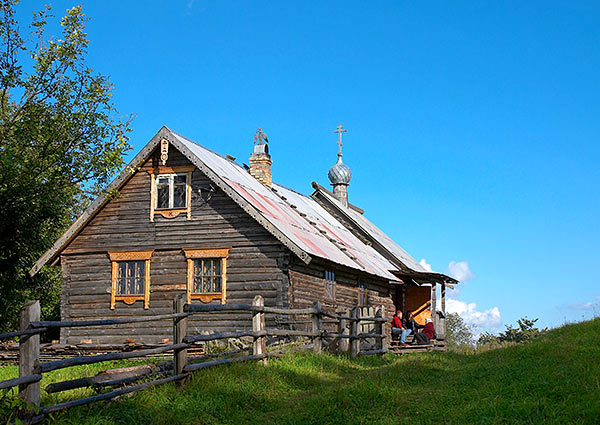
x=460, y=270
x=424, y=264
x=489, y=319
x=590, y=305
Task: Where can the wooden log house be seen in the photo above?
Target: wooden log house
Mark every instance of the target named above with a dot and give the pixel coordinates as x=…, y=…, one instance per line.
x=189, y=221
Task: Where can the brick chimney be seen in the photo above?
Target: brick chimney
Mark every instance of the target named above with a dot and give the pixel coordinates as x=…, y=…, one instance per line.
x=260, y=160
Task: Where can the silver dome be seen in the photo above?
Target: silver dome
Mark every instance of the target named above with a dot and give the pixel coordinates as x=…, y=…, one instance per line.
x=339, y=173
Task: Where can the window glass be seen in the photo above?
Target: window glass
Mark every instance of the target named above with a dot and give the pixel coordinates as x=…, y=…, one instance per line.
x=130, y=278
x=207, y=275
x=171, y=191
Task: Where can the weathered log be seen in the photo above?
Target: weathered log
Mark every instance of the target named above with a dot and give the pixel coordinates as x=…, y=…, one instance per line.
x=180, y=328
x=367, y=352
x=22, y=333
x=317, y=327
x=74, y=361
x=212, y=363
x=101, y=378
x=22, y=380
x=67, y=405
x=223, y=335
x=370, y=335
x=223, y=354
x=355, y=342
x=105, y=322
x=29, y=354
x=290, y=332
x=200, y=308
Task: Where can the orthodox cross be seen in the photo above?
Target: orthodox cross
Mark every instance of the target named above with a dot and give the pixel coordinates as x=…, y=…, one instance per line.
x=339, y=131
x=260, y=137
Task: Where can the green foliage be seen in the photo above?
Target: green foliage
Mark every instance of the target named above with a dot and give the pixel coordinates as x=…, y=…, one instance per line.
x=60, y=142
x=526, y=331
x=458, y=333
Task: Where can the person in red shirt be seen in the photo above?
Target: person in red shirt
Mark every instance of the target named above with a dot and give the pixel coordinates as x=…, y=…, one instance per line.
x=398, y=329
x=426, y=335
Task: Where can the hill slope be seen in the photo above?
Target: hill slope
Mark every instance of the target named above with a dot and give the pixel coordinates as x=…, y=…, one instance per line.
x=553, y=380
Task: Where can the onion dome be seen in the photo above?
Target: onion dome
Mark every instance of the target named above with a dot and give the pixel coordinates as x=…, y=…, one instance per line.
x=339, y=173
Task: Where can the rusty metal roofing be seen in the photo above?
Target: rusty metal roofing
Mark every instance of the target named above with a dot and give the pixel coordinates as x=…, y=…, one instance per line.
x=300, y=218
x=376, y=233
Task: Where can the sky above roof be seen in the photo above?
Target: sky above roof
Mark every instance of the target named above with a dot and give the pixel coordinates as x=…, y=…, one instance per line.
x=472, y=127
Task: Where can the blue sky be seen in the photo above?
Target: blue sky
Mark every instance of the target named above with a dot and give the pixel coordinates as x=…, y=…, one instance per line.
x=472, y=126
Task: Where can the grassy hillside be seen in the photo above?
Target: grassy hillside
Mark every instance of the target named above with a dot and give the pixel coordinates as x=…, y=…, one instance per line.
x=553, y=380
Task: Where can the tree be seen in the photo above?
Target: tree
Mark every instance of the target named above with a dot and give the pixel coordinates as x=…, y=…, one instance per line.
x=458, y=332
x=61, y=141
x=525, y=332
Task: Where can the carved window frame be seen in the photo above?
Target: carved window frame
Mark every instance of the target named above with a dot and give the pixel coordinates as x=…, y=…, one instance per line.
x=115, y=258
x=170, y=212
x=329, y=286
x=212, y=253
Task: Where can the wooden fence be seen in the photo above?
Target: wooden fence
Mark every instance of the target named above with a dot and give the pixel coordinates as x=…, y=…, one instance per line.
x=352, y=328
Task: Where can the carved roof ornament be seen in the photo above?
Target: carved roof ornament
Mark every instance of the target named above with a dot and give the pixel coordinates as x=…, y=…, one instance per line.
x=260, y=137
x=164, y=151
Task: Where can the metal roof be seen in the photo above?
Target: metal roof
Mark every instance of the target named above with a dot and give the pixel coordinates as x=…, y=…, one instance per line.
x=362, y=222
x=300, y=218
x=298, y=221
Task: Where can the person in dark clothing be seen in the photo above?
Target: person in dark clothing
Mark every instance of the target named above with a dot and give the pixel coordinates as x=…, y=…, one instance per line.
x=426, y=335
x=409, y=323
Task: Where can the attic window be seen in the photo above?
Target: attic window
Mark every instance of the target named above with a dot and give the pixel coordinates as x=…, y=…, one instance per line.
x=130, y=277
x=171, y=191
x=329, y=285
x=206, y=274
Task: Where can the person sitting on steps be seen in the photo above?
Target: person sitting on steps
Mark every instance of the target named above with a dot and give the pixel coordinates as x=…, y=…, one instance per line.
x=398, y=329
x=409, y=324
x=428, y=333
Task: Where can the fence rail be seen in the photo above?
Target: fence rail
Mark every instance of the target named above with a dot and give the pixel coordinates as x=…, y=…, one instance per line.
x=31, y=370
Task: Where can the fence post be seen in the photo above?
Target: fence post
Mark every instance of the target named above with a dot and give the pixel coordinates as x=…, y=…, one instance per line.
x=180, y=326
x=354, y=326
x=29, y=353
x=343, y=329
x=317, y=327
x=379, y=329
x=258, y=324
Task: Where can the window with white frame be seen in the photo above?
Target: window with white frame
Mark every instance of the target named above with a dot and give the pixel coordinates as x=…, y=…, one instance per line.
x=171, y=191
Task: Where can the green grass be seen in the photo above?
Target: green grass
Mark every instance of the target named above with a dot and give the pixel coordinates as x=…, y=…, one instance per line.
x=552, y=380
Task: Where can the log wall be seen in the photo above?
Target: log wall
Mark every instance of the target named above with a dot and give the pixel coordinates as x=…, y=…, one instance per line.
x=307, y=284
x=257, y=262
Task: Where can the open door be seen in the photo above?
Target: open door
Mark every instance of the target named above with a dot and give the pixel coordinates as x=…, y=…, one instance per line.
x=418, y=300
